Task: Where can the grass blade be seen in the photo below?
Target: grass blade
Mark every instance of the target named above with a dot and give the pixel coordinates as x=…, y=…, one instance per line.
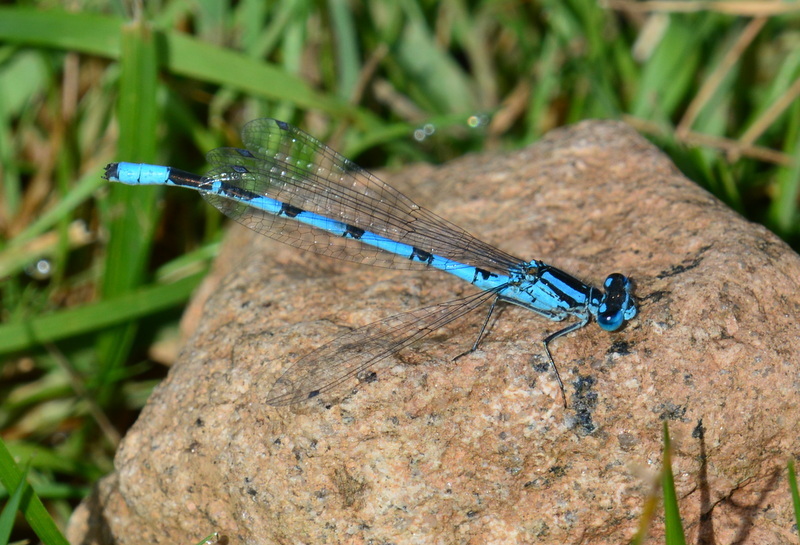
x=672, y=515
x=11, y=508
x=795, y=493
x=31, y=506
x=134, y=213
x=26, y=334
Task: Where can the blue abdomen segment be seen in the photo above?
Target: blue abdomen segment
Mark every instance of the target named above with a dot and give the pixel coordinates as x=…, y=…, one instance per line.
x=144, y=174
x=482, y=279
x=230, y=187
x=138, y=174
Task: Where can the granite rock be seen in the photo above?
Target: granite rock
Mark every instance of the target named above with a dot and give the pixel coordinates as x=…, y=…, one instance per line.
x=482, y=450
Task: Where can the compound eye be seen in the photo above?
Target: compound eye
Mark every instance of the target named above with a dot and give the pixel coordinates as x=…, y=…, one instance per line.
x=617, y=304
x=617, y=284
x=610, y=320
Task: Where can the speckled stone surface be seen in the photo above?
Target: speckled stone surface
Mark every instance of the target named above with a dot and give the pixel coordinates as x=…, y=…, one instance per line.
x=481, y=450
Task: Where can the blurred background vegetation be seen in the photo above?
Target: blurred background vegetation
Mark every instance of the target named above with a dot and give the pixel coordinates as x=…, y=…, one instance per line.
x=94, y=276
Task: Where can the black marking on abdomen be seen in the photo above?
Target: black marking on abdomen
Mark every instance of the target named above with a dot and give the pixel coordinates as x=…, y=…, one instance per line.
x=290, y=211
x=486, y=275
x=228, y=190
x=421, y=255
x=182, y=178
x=353, y=231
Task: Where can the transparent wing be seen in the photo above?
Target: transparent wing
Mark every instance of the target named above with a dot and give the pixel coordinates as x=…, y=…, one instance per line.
x=332, y=365
x=286, y=164
x=309, y=238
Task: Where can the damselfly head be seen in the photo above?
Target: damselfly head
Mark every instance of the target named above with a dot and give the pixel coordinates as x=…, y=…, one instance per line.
x=617, y=305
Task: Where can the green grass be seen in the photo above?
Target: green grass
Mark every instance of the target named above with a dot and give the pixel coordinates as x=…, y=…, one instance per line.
x=24, y=499
x=795, y=493
x=94, y=276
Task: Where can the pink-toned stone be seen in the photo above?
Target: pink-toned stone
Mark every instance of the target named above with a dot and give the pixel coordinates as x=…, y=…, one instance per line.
x=482, y=450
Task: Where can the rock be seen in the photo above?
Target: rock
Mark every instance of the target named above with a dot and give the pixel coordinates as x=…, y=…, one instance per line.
x=482, y=450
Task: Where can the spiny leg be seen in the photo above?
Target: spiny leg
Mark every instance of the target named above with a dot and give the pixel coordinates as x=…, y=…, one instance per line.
x=561, y=332
x=480, y=333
